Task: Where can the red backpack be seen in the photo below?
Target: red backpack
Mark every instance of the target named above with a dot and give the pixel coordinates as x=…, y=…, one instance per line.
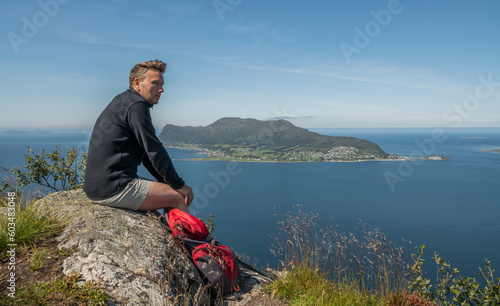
x=217, y=264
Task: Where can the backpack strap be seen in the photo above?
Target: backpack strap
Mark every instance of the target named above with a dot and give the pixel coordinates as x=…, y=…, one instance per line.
x=164, y=222
x=189, y=245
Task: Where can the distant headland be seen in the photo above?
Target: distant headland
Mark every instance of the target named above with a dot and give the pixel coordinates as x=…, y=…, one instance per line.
x=273, y=140
x=493, y=150
x=17, y=133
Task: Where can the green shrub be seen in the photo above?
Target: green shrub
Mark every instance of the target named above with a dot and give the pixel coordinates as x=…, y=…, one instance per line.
x=452, y=288
x=22, y=219
x=51, y=170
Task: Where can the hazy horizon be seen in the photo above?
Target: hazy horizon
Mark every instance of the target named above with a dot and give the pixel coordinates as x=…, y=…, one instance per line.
x=158, y=129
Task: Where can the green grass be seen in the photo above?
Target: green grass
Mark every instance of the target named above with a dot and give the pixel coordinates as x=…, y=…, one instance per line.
x=323, y=266
x=37, y=260
x=33, y=221
x=63, y=290
x=304, y=285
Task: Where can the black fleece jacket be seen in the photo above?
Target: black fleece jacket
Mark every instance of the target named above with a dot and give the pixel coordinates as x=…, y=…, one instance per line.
x=122, y=138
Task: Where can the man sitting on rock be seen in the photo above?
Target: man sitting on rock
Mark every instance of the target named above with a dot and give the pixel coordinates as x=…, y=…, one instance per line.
x=122, y=138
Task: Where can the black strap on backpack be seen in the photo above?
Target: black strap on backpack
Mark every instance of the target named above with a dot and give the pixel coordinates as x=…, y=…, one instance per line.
x=207, y=248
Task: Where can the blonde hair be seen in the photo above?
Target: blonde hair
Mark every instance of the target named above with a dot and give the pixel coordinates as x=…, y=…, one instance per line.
x=140, y=70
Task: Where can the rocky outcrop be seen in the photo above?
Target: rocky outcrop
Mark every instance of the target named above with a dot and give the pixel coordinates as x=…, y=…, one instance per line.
x=137, y=261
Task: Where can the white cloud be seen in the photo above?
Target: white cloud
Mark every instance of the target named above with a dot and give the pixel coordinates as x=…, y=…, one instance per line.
x=363, y=72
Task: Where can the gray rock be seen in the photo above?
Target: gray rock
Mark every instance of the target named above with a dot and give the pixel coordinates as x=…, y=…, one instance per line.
x=137, y=261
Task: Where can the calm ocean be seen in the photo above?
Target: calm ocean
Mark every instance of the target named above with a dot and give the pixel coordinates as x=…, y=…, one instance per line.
x=453, y=207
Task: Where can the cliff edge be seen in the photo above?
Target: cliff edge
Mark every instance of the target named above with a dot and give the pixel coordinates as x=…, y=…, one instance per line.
x=137, y=260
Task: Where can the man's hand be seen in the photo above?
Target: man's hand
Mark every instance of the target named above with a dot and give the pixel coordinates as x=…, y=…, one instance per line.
x=187, y=193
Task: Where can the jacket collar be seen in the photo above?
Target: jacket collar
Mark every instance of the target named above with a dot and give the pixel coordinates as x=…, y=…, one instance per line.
x=136, y=93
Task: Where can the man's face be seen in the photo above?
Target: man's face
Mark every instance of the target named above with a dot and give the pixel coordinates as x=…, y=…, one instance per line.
x=151, y=87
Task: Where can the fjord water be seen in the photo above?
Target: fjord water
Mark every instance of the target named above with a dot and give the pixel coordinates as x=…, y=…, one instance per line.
x=453, y=207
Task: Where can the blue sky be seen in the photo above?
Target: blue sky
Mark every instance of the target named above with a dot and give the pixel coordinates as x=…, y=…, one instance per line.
x=319, y=64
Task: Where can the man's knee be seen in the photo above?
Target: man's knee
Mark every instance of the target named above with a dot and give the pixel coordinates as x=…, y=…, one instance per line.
x=165, y=192
x=178, y=197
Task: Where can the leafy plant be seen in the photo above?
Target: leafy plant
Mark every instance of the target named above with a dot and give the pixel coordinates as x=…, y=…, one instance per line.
x=51, y=170
x=419, y=283
x=210, y=224
x=452, y=288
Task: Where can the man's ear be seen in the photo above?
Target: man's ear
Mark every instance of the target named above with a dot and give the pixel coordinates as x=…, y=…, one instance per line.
x=136, y=83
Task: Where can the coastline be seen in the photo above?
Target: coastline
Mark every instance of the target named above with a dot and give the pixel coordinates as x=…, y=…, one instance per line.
x=287, y=161
x=213, y=156
x=298, y=161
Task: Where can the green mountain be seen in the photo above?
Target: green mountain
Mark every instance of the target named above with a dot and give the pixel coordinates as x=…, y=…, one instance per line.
x=274, y=139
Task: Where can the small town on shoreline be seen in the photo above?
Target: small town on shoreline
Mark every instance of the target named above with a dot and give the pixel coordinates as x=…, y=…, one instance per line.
x=336, y=154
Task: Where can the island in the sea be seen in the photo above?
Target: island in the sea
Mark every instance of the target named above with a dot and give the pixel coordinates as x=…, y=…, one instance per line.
x=272, y=140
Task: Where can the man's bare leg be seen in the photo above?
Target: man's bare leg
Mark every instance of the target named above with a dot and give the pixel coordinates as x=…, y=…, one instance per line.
x=163, y=196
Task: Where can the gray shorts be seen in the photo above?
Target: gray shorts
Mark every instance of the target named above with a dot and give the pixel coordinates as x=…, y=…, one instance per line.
x=131, y=197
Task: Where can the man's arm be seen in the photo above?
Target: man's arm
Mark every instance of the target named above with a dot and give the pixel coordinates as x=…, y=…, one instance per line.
x=185, y=191
x=156, y=160
x=151, y=169
x=139, y=121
